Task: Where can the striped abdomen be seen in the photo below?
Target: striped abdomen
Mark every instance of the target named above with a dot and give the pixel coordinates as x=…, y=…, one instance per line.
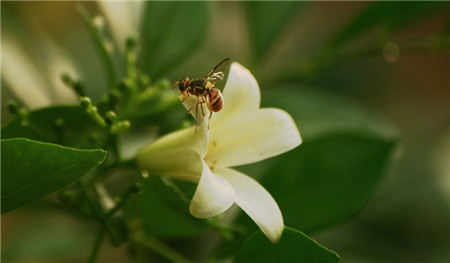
x=215, y=100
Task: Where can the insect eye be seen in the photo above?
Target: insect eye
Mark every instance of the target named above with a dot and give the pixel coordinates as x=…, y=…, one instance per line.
x=184, y=84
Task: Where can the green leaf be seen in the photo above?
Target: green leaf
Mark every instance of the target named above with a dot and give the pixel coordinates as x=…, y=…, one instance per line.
x=161, y=212
x=319, y=113
x=341, y=162
x=171, y=31
x=392, y=16
x=66, y=125
x=294, y=246
x=32, y=170
x=266, y=21
x=384, y=18
x=46, y=236
x=328, y=180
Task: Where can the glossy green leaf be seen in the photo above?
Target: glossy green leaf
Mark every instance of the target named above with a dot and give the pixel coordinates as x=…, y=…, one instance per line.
x=345, y=151
x=266, y=21
x=294, y=246
x=32, y=170
x=162, y=213
x=328, y=180
x=171, y=31
x=65, y=125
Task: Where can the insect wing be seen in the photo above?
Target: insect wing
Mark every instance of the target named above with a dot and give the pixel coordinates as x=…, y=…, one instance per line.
x=224, y=67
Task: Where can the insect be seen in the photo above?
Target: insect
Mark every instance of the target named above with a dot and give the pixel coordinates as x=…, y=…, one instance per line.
x=204, y=90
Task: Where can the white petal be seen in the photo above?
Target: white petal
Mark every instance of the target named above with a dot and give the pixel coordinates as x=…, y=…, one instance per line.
x=22, y=76
x=183, y=164
x=213, y=196
x=124, y=17
x=270, y=132
x=188, y=138
x=241, y=96
x=256, y=202
x=200, y=112
x=178, y=154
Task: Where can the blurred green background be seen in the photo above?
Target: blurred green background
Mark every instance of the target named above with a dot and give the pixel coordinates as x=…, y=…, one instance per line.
x=389, y=62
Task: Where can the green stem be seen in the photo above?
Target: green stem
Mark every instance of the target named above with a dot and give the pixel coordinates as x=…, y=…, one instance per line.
x=308, y=70
x=171, y=184
x=161, y=248
x=104, y=170
x=121, y=201
x=103, y=45
x=97, y=244
x=95, y=208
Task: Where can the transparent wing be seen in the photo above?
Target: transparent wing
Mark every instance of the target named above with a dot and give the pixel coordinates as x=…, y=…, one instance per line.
x=223, y=67
x=219, y=73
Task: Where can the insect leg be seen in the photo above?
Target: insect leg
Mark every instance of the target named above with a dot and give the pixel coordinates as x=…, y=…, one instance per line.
x=203, y=101
x=217, y=75
x=196, y=113
x=208, y=104
x=209, y=118
x=187, y=96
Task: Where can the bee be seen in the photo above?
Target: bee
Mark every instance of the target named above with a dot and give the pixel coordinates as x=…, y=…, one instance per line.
x=204, y=90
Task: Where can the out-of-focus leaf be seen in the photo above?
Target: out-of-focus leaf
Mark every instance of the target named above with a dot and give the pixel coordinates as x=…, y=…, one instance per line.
x=171, y=31
x=46, y=236
x=294, y=246
x=32, y=170
x=319, y=113
x=345, y=152
x=386, y=17
x=392, y=16
x=266, y=21
x=161, y=212
x=66, y=125
x=328, y=180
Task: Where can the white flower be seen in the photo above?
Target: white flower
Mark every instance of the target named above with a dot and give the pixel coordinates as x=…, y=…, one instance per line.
x=124, y=18
x=36, y=85
x=241, y=133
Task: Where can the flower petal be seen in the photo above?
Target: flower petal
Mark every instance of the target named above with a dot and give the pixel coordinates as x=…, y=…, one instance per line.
x=178, y=154
x=241, y=96
x=213, y=196
x=270, y=132
x=124, y=18
x=256, y=202
x=183, y=164
x=23, y=78
x=200, y=112
x=188, y=138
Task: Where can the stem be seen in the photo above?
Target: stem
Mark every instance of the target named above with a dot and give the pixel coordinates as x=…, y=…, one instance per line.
x=169, y=183
x=121, y=201
x=308, y=70
x=160, y=248
x=114, y=148
x=96, y=210
x=105, y=170
x=103, y=45
x=97, y=244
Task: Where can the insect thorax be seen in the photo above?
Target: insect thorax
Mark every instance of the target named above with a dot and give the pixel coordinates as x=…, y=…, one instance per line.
x=200, y=87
